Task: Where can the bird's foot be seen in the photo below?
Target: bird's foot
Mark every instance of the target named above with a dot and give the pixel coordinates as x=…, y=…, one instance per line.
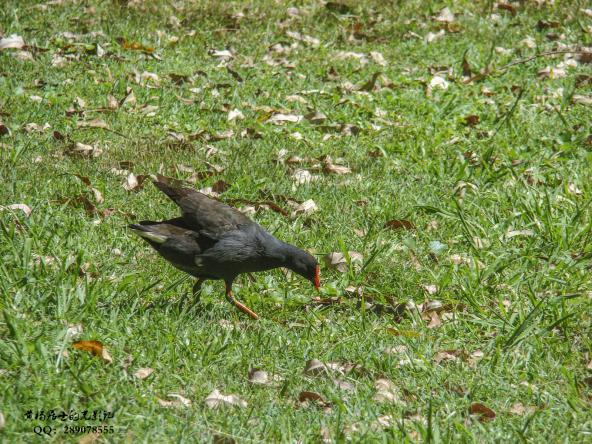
x=242, y=307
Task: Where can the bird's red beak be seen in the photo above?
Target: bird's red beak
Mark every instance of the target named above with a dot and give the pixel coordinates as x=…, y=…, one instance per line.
x=317, y=279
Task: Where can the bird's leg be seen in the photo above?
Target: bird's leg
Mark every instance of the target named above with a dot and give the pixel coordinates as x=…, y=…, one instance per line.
x=197, y=289
x=242, y=307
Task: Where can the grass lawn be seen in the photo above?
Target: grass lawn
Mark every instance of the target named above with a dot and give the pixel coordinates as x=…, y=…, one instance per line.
x=458, y=180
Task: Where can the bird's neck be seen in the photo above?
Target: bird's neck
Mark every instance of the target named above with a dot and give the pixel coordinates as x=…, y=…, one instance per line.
x=279, y=252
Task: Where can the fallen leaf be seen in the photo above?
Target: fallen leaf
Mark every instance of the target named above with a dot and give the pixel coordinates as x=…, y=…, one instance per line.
x=257, y=376
x=396, y=350
x=572, y=188
x=307, y=397
x=176, y=401
x=432, y=36
x=385, y=421
x=552, y=73
x=223, y=54
x=73, y=331
x=398, y=224
x=315, y=117
x=89, y=438
x=280, y=118
x=95, y=123
x=378, y=58
x=303, y=177
x=143, y=373
x=472, y=120
x=582, y=100
x=434, y=320
x=83, y=150
x=520, y=409
x=235, y=114
x=314, y=42
x=307, y=207
x=513, y=233
x=430, y=288
x=23, y=207
x=4, y=130
x=314, y=367
x=447, y=355
x=112, y=102
x=96, y=348
x=33, y=127
x=485, y=413
x=134, y=46
x=386, y=391
x=133, y=182
x=330, y=168
x=12, y=41
x=445, y=16
x=437, y=82
x=217, y=399
x=344, y=385
x=338, y=261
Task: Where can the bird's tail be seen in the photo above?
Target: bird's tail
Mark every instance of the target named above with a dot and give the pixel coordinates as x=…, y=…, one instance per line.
x=148, y=233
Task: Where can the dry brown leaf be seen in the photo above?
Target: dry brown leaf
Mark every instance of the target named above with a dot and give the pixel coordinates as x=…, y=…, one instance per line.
x=89, y=438
x=112, y=102
x=223, y=54
x=306, y=397
x=143, y=373
x=386, y=391
x=520, y=409
x=513, y=233
x=257, y=376
x=13, y=41
x=472, y=120
x=485, y=413
x=217, y=399
x=35, y=128
x=434, y=320
x=582, y=100
x=447, y=355
x=23, y=207
x=235, y=114
x=398, y=224
x=302, y=176
x=552, y=73
x=96, y=348
x=330, y=168
x=445, y=16
x=83, y=150
x=95, y=123
x=74, y=331
x=133, y=182
x=176, y=401
x=314, y=367
x=430, y=288
x=344, y=385
x=280, y=118
x=305, y=208
x=314, y=42
x=338, y=261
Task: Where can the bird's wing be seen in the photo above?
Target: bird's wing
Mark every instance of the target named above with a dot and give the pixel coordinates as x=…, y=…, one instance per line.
x=203, y=214
x=176, y=244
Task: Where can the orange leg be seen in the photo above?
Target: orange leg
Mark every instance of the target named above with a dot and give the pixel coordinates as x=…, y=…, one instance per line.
x=242, y=307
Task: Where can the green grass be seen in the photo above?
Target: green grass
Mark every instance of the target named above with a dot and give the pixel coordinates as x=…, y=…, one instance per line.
x=524, y=301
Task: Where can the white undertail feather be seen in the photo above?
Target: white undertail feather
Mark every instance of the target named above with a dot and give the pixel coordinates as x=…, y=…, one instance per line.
x=158, y=238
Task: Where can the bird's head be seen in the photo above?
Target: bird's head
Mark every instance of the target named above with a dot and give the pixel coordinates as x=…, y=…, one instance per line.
x=306, y=266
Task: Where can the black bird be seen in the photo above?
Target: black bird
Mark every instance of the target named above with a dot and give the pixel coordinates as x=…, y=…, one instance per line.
x=212, y=240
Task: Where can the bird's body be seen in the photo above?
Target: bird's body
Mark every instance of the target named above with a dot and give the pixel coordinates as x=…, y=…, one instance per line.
x=212, y=240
